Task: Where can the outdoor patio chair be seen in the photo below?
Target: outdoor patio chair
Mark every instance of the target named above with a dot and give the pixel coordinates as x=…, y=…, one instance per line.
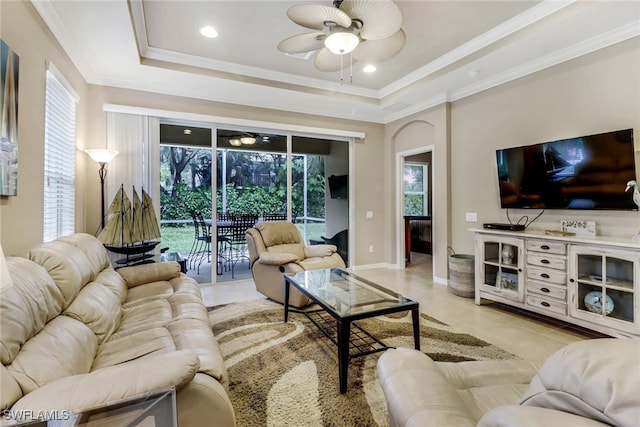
x=237, y=240
x=274, y=217
x=205, y=238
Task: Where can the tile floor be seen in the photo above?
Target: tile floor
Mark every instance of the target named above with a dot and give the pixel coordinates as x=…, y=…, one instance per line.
x=527, y=336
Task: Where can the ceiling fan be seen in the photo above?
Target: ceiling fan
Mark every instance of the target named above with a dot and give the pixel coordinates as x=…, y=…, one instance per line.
x=368, y=29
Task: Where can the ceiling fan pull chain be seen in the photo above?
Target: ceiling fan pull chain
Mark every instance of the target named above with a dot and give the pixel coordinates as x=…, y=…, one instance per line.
x=351, y=68
x=341, y=70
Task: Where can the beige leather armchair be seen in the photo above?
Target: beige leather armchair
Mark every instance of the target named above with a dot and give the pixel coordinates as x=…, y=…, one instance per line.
x=276, y=248
x=587, y=383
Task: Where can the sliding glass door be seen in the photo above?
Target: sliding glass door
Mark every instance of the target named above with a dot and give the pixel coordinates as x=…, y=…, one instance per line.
x=265, y=175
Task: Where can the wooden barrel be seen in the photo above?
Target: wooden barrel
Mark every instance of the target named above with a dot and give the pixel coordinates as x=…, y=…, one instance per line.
x=462, y=275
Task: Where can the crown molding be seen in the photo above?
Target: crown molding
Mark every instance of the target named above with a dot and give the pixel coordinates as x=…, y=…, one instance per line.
x=577, y=50
x=490, y=37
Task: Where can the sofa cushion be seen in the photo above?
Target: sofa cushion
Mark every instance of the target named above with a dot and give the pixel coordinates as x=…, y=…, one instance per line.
x=295, y=249
x=531, y=416
x=275, y=258
x=128, y=347
x=98, y=308
x=111, y=280
x=113, y=383
x=67, y=264
x=10, y=390
x=26, y=305
x=92, y=248
x=596, y=379
x=148, y=292
x=152, y=314
x=153, y=272
x=197, y=336
x=63, y=348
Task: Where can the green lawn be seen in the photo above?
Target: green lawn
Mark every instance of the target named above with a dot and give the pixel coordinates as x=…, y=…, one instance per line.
x=180, y=239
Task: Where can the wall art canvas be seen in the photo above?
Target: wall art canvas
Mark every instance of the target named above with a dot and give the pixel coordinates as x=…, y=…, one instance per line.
x=9, y=67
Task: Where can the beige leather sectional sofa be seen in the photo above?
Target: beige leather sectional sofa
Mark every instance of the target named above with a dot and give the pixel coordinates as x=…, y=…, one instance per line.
x=587, y=383
x=76, y=334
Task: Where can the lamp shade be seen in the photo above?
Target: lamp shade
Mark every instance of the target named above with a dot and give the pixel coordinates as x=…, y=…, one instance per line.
x=101, y=155
x=341, y=42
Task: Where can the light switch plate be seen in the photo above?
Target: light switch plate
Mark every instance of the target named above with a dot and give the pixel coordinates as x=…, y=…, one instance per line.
x=472, y=217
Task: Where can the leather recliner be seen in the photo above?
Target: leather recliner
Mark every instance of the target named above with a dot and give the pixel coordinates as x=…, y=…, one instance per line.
x=587, y=383
x=276, y=248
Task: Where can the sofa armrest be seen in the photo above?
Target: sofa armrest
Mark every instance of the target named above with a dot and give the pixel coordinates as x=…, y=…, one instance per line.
x=147, y=273
x=319, y=250
x=277, y=258
x=531, y=416
x=114, y=383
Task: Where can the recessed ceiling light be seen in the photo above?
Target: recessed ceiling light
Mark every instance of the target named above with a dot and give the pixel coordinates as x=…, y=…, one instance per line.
x=369, y=68
x=187, y=131
x=209, y=32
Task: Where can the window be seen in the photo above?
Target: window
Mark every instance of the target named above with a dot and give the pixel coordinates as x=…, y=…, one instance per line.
x=59, y=157
x=416, y=189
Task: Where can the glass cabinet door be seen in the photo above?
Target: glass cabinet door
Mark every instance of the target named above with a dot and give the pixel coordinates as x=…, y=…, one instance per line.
x=501, y=267
x=604, y=289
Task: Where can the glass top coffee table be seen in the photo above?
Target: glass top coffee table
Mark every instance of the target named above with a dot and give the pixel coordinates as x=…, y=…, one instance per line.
x=344, y=298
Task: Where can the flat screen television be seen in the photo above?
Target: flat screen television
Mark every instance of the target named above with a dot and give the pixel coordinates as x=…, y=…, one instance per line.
x=339, y=186
x=587, y=172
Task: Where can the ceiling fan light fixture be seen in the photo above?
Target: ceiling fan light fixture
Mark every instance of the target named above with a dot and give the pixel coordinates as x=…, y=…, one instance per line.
x=247, y=140
x=235, y=142
x=340, y=42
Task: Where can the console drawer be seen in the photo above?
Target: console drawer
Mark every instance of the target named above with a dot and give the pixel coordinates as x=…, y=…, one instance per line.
x=546, y=247
x=547, y=290
x=558, y=263
x=547, y=275
x=547, y=304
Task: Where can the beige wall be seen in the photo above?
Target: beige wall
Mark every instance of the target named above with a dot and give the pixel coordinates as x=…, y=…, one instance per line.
x=593, y=94
x=368, y=160
x=426, y=130
x=21, y=216
x=596, y=93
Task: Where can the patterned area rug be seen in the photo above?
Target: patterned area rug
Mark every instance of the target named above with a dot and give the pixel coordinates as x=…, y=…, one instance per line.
x=286, y=374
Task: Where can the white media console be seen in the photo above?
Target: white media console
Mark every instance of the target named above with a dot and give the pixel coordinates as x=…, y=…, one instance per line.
x=593, y=282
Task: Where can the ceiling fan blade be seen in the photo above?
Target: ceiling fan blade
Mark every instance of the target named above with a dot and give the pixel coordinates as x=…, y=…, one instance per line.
x=302, y=43
x=376, y=51
x=314, y=16
x=327, y=61
x=380, y=18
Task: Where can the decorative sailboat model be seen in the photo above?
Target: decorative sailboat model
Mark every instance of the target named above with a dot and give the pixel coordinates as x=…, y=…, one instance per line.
x=132, y=229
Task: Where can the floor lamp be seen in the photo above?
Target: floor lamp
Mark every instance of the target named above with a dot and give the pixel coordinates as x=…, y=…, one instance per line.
x=102, y=156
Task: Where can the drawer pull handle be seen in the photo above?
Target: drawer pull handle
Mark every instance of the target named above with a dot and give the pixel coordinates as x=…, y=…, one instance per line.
x=545, y=290
x=545, y=304
x=544, y=261
x=545, y=275
x=545, y=247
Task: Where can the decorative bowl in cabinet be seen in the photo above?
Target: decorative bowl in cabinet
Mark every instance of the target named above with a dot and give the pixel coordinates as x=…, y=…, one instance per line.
x=594, y=301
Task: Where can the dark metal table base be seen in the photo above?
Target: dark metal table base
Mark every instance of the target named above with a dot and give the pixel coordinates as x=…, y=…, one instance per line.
x=340, y=333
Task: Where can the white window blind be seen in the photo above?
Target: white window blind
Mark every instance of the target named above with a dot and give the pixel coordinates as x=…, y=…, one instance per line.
x=59, y=158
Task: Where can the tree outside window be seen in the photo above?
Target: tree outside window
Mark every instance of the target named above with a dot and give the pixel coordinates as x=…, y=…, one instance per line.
x=416, y=189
